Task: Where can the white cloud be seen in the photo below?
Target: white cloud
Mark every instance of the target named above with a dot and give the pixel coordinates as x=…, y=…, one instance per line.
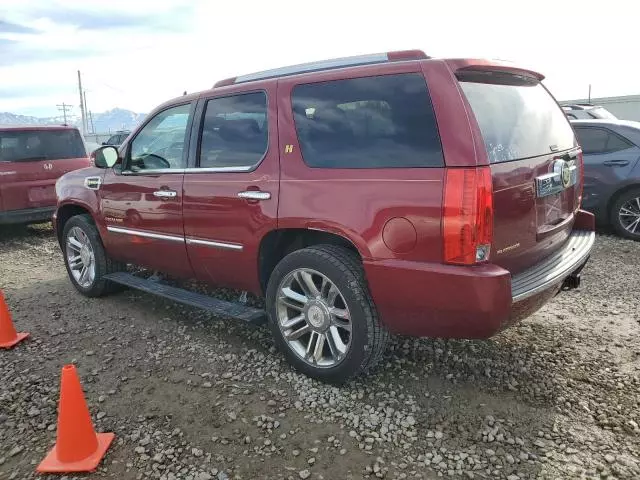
x=140, y=53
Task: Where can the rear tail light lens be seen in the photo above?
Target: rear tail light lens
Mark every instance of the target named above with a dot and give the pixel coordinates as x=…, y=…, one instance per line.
x=467, y=215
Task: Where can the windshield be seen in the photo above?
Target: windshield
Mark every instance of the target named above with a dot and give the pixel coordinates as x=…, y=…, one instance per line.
x=517, y=116
x=33, y=145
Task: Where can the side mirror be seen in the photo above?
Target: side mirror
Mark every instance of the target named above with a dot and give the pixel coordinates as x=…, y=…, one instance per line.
x=105, y=157
x=104, y=143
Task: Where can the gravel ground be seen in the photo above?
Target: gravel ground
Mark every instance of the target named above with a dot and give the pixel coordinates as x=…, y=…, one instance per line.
x=190, y=396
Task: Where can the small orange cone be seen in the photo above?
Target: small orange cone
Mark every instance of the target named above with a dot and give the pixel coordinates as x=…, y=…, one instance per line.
x=8, y=335
x=78, y=447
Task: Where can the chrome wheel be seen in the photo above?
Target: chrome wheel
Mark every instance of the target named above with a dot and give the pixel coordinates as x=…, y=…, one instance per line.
x=314, y=318
x=629, y=216
x=80, y=257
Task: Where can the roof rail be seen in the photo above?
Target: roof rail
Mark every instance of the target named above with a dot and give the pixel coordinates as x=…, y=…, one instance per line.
x=398, y=56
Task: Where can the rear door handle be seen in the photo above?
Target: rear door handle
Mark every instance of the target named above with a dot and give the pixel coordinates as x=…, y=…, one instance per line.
x=165, y=194
x=616, y=163
x=254, y=195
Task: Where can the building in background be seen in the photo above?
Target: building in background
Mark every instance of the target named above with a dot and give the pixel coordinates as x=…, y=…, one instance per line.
x=625, y=108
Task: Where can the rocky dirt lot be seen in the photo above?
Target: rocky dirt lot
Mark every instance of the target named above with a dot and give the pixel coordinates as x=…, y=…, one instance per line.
x=193, y=397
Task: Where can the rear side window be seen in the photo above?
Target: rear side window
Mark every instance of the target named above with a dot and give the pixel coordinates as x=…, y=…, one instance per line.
x=600, y=140
x=34, y=145
x=371, y=122
x=517, y=116
x=234, y=131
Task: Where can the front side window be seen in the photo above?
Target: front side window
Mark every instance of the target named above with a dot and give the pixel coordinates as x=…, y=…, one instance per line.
x=600, y=140
x=234, y=131
x=371, y=122
x=160, y=143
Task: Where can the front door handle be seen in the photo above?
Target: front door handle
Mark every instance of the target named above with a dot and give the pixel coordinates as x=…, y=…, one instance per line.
x=165, y=194
x=254, y=195
x=616, y=163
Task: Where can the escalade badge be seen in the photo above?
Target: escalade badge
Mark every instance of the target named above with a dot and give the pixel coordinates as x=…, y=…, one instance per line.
x=564, y=175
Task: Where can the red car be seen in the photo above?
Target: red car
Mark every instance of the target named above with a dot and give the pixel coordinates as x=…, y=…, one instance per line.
x=32, y=158
x=389, y=193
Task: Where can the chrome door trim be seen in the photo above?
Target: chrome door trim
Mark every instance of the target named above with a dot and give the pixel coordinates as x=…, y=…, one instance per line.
x=214, y=244
x=160, y=171
x=141, y=233
x=217, y=169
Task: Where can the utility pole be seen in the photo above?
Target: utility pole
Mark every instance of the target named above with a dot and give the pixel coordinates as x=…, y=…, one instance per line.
x=63, y=108
x=93, y=128
x=86, y=110
x=81, y=103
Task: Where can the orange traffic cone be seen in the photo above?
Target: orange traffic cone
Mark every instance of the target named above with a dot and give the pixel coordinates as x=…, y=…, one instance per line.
x=8, y=335
x=78, y=448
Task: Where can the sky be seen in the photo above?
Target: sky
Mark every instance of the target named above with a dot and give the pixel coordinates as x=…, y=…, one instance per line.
x=135, y=54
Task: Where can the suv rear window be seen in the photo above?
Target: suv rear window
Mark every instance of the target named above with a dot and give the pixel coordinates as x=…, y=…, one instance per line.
x=33, y=145
x=518, y=117
x=371, y=122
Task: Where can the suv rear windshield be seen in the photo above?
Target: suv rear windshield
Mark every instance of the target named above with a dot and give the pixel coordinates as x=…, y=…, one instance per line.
x=33, y=145
x=518, y=117
x=370, y=122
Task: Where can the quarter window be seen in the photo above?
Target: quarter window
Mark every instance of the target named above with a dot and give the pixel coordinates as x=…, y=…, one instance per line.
x=371, y=122
x=234, y=131
x=600, y=140
x=160, y=143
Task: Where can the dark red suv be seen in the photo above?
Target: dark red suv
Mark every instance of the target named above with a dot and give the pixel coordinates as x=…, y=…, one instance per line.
x=32, y=158
x=389, y=193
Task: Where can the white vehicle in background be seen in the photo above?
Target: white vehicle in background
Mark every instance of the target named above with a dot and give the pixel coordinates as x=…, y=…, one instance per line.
x=587, y=112
x=91, y=146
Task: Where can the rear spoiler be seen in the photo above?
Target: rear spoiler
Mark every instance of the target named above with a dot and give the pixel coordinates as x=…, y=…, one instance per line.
x=460, y=65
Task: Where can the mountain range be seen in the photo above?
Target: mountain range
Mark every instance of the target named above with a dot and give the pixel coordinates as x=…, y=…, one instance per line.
x=109, y=121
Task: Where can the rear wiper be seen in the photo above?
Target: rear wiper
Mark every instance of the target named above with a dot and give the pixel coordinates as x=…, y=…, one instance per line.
x=28, y=159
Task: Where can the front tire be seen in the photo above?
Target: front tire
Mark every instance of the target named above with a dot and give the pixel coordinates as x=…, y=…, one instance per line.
x=625, y=214
x=322, y=315
x=85, y=258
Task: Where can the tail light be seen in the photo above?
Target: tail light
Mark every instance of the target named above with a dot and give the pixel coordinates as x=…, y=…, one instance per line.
x=467, y=215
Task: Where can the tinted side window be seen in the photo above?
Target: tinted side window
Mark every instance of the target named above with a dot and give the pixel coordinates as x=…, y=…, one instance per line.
x=616, y=143
x=235, y=131
x=372, y=122
x=592, y=140
x=160, y=143
x=599, y=140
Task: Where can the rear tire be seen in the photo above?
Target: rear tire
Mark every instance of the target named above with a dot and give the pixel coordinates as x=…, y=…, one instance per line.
x=625, y=214
x=86, y=259
x=338, y=313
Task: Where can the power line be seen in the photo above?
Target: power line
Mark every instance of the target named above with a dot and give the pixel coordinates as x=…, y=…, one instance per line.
x=63, y=108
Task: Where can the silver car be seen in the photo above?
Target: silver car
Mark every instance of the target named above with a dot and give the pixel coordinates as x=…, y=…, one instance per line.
x=611, y=151
x=578, y=111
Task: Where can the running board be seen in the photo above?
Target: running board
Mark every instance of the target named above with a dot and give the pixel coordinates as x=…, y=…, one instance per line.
x=219, y=308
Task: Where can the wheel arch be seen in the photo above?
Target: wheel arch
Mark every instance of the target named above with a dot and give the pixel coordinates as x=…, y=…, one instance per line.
x=616, y=195
x=66, y=212
x=277, y=244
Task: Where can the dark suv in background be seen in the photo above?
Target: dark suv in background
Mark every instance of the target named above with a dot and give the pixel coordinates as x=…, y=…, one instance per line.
x=117, y=138
x=387, y=193
x=612, y=172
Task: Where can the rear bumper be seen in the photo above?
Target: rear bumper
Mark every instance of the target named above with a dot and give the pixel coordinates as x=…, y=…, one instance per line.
x=555, y=268
x=28, y=215
x=432, y=300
